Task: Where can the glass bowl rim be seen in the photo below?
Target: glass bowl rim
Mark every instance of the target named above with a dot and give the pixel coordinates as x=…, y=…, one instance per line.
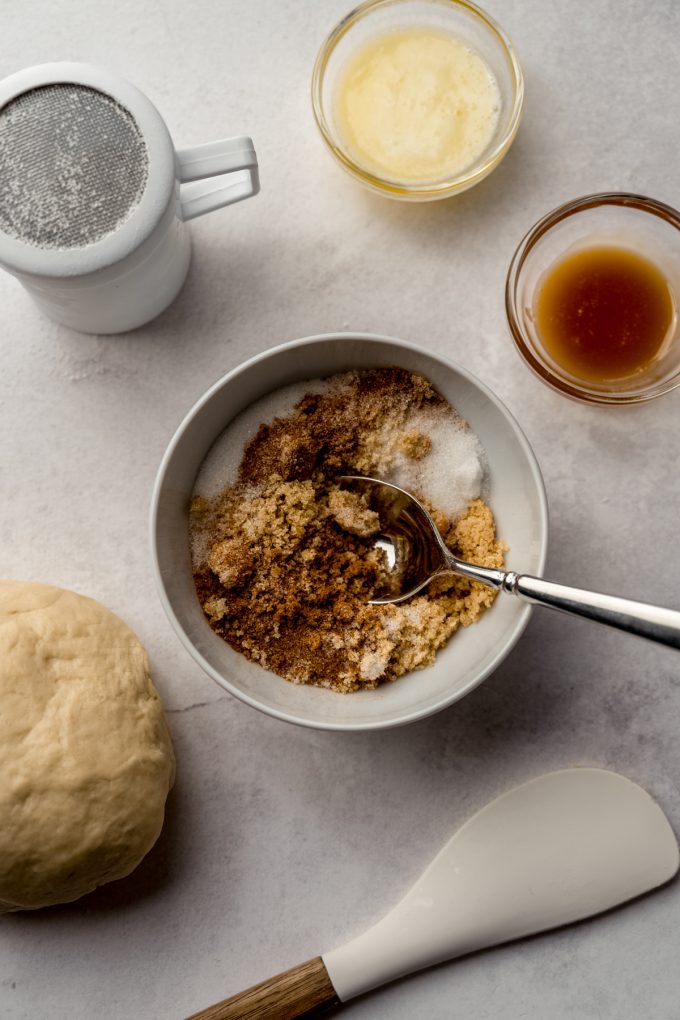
x=435, y=189
x=624, y=199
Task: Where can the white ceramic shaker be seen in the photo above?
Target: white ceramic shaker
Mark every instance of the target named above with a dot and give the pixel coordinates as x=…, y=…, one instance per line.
x=94, y=198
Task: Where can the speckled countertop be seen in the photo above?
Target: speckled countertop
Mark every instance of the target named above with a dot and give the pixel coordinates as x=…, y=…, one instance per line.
x=281, y=842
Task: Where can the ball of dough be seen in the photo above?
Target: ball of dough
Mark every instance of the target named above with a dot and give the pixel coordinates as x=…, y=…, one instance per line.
x=86, y=760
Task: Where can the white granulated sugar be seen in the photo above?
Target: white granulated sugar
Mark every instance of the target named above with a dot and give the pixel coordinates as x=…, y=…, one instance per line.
x=452, y=473
x=220, y=467
x=200, y=544
x=373, y=664
x=413, y=613
x=393, y=622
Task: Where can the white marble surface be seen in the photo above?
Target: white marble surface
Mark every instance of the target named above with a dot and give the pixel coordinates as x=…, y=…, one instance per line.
x=280, y=842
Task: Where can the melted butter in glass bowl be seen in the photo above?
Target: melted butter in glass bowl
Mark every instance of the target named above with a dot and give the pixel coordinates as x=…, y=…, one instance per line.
x=417, y=99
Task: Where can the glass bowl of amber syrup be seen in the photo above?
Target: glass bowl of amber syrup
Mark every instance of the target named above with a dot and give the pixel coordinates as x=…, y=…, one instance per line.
x=592, y=298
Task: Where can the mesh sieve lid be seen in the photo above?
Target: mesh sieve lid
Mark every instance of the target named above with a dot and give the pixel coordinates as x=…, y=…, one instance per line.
x=73, y=166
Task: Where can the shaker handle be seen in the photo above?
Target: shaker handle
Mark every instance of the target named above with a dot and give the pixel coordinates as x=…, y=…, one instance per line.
x=216, y=174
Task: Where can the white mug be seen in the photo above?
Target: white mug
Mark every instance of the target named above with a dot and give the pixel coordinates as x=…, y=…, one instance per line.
x=128, y=275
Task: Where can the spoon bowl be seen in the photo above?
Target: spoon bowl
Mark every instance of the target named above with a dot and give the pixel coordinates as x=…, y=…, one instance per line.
x=415, y=553
x=410, y=540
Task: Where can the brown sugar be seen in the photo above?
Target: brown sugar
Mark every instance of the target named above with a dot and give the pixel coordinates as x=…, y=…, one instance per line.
x=284, y=558
x=351, y=514
x=415, y=444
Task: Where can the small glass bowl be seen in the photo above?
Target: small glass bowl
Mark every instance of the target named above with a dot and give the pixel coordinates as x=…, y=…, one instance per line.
x=641, y=224
x=464, y=20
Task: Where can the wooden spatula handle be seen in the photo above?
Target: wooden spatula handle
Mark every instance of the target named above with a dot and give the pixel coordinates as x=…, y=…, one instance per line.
x=303, y=991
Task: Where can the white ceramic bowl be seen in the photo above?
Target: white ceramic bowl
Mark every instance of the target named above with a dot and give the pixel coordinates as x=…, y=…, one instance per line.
x=516, y=495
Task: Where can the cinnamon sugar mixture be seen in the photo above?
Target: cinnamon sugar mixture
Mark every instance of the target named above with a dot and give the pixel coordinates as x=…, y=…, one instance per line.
x=284, y=561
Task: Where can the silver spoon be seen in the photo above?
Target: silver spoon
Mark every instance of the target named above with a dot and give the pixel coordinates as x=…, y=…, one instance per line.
x=416, y=553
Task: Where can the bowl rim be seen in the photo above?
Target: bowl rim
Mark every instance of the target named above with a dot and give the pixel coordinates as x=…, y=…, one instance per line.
x=437, y=189
x=566, y=387
x=289, y=716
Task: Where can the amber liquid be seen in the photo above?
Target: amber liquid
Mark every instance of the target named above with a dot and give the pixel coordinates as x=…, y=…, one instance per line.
x=603, y=313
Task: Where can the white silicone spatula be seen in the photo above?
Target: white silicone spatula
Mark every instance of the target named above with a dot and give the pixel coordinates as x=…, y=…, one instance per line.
x=557, y=849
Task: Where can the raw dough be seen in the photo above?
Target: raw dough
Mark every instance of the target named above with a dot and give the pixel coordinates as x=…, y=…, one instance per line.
x=86, y=760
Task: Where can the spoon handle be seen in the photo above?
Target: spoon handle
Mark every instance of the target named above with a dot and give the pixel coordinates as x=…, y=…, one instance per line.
x=652, y=622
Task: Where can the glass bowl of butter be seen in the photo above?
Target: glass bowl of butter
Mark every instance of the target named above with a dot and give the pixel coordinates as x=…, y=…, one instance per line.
x=417, y=99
